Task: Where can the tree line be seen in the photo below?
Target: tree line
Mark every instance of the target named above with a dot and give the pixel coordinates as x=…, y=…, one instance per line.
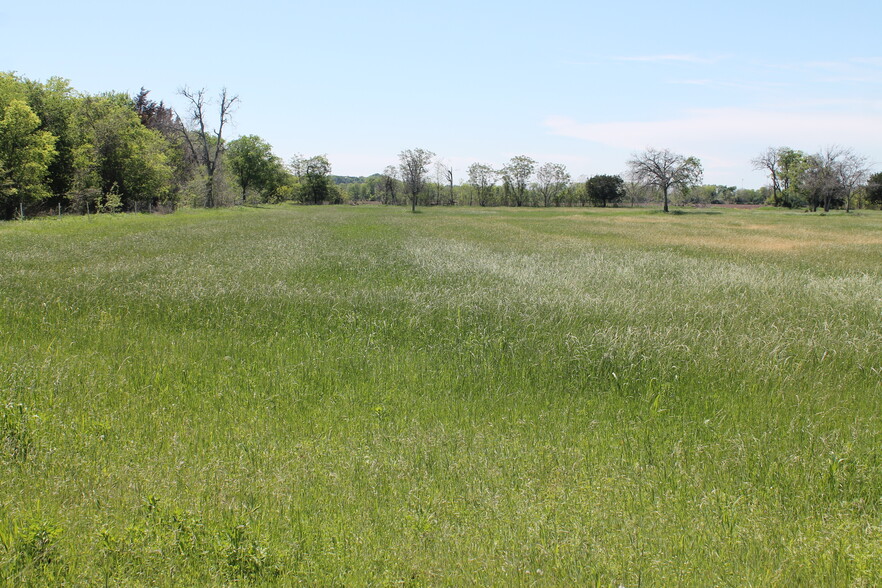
x=525, y=182
x=64, y=150
x=835, y=177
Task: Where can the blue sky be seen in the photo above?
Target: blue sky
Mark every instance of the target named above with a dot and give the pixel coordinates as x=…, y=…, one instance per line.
x=581, y=83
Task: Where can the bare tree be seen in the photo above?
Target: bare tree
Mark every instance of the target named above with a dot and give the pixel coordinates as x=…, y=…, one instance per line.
x=768, y=161
x=440, y=179
x=414, y=165
x=483, y=178
x=832, y=176
x=515, y=176
x=297, y=165
x=852, y=171
x=636, y=192
x=817, y=182
x=551, y=180
x=389, y=184
x=443, y=175
x=206, y=146
x=665, y=170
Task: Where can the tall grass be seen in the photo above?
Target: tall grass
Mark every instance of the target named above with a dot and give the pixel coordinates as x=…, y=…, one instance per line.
x=360, y=395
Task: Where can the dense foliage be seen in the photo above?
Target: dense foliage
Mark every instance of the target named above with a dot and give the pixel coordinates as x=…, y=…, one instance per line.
x=833, y=177
x=62, y=149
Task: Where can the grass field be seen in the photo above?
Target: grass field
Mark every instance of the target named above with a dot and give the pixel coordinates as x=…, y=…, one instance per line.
x=365, y=396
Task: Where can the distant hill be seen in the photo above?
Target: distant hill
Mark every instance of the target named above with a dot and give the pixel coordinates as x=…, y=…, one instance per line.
x=351, y=179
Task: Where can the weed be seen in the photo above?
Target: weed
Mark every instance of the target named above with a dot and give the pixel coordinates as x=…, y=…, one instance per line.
x=15, y=431
x=30, y=548
x=245, y=555
x=37, y=542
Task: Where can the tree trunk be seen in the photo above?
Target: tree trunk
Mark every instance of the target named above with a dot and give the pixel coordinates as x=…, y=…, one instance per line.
x=666, y=199
x=209, y=191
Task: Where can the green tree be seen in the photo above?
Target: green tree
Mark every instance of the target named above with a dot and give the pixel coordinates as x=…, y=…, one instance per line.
x=314, y=174
x=158, y=117
x=665, y=170
x=252, y=161
x=552, y=180
x=11, y=88
x=874, y=188
x=785, y=167
x=482, y=177
x=579, y=191
x=116, y=154
x=371, y=187
x=604, y=189
x=414, y=163
x=515, y=177
x=25, y=155
x=750, y=196
x=54, y=102
x=708, y=194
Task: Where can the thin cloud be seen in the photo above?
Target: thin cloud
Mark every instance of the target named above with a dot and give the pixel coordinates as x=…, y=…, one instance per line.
x=726, y=139
x=876, y=61
x=695, y=82
x=723, y=126
x=580, y=62
x=851, y=80
x=712, y=83
x=863, y=62
x=854, y=70
x=834, y=65
x=671, y=57
x=854, y=104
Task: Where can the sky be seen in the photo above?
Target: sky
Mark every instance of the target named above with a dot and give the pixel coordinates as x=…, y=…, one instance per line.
x=587, y=84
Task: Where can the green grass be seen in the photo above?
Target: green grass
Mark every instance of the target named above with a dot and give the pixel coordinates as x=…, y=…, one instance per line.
x=362, y=396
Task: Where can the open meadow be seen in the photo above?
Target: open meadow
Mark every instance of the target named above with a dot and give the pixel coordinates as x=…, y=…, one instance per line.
x=366, y=396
